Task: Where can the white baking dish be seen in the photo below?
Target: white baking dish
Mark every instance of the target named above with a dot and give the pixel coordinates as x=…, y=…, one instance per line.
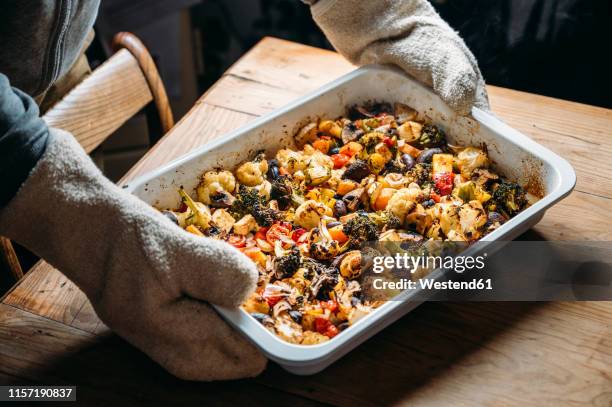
x=516, y=156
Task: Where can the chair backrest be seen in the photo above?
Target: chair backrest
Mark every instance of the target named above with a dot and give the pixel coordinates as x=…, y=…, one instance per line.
x=100, y=104
x=113, y=93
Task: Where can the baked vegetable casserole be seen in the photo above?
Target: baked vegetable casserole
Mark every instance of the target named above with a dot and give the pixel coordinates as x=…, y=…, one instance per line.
x=383, y=173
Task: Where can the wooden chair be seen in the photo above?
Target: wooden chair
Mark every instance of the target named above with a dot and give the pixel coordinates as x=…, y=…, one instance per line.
x=117, y=90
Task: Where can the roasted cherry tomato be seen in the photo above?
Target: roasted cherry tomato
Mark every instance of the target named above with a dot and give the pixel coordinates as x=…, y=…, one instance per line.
x=331, y=331
x=325, y=327
x=272, y=301
x=277, y=230
x=330, y=305
x=388, y=141
x=444, y=182
x=237, y=241
x=340, y=160
x=297, y=233
x=261, y=233
x=321, y=324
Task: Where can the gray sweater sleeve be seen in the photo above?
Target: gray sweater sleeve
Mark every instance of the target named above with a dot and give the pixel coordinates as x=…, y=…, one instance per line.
x=23, y=138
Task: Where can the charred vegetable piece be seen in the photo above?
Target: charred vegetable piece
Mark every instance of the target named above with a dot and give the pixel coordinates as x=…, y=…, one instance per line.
x=385, y=220
x=357, y=171
x=431, y=136
x=510, y=197
x=360, y=229
x=420, y=173
x=246, y=199
x=265, y=216
x=285, y=266
x=282, y=191
x=350, y=132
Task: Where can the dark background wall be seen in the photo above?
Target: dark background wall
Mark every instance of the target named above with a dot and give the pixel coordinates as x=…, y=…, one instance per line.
x=559, y=48
x=553, y=47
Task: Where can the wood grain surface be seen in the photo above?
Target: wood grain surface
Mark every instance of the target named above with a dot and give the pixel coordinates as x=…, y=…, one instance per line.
x=100, y=104
x=498, y=354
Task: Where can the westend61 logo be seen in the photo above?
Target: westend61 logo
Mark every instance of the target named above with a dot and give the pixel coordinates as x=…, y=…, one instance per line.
x=411, y=263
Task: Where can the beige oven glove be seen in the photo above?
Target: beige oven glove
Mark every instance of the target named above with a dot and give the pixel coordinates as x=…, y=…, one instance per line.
x=411, y=35
x=148, y=280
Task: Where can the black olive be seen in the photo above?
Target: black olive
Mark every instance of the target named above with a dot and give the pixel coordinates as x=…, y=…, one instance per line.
x=334, y=150
x=428, y=203
x=408, y=161
x=339, y=208
x=296, y=316
x=171, y=215
x=426, y=155
x=273, y=172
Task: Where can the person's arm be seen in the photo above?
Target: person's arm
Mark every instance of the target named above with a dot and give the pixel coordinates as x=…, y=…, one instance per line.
x=23, y=138
x=409, y=34
x=148, y=280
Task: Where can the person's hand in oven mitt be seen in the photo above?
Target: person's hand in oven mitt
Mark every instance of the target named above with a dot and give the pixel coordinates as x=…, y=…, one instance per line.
x=409, y=34
x=147, y=279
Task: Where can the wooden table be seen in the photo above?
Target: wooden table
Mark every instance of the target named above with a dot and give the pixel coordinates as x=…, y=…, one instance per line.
x=441, y=353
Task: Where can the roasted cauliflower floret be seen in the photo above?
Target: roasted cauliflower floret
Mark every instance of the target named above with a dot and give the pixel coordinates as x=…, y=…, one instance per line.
x=197, y=213
x=465, y=221
x=252, y=173
x=410, y=131
x=245, y=225
x=404, y=201
x=292, y=161
x=315, y=158
x=469, y=159
x=309, y=214
x=216, y=188
x=223, y=219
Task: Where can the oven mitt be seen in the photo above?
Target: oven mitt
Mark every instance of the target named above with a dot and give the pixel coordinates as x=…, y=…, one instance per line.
x=411, y=35
x=148, y=280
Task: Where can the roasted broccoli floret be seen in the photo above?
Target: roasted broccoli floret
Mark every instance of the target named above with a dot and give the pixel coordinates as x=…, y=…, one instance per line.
x=431, y=136
x=246, y=199
x=385, y=220
x=360, y=229
x=509, y=197
x=469, y=191
x=264, y=215
x=370, y=140
x=420, y=173
x=286, y=266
